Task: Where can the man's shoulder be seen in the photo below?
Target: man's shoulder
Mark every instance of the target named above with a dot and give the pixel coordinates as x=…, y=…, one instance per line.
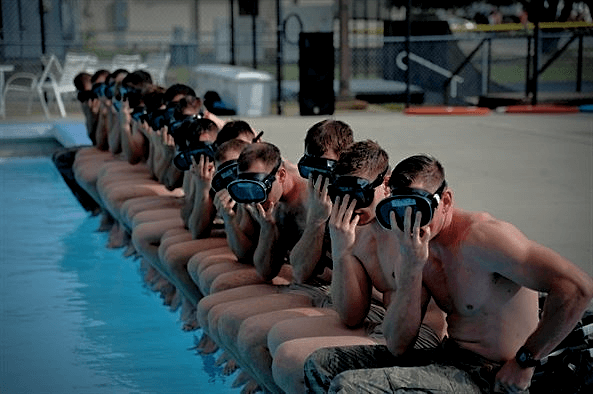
x=484, y=231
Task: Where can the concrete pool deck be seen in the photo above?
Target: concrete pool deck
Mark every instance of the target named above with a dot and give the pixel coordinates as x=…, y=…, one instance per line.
x=535, y=171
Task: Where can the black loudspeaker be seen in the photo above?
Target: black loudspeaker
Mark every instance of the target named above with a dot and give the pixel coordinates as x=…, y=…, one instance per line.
x=316, y=74
x=248, y=7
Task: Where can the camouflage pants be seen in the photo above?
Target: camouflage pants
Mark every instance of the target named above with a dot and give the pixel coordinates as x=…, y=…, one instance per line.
x=373, y=369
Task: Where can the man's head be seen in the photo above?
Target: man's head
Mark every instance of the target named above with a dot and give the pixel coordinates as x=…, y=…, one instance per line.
x=419, y=182
x=99, y=76
x=324, y=142
x=328, y=139
x=195, y=140
x=235, y=129
x=118, y=75
x=361, y=173
x=82, y=82
x=225, y=159
x=261, y=175
x=178, y=91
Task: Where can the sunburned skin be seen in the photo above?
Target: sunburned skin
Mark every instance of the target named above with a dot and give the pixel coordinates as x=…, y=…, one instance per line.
x=486, y=312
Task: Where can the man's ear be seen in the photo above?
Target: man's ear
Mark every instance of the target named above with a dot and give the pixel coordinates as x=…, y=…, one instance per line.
x=386, y=187
x=447, y=199
x=281, y=174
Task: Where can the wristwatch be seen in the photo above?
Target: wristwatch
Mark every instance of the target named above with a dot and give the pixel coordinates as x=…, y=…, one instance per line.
x=525, y=358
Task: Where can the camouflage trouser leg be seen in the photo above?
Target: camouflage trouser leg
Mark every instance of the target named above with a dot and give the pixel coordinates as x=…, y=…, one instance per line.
x=433, y=378
x=326, y=363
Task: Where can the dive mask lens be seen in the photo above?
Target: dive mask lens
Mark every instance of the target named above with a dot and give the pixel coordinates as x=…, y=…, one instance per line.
x=358, y=189
x=183, y=159
x=398, y=205
x=316, y=166
x=250, y=187
x=226, y=173
x=403, y=197
x=86, y=95
x=248, y=191
x=253, y=187
x=139, y=113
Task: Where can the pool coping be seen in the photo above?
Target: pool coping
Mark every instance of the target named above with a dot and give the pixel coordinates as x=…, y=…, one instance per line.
x=68, y=133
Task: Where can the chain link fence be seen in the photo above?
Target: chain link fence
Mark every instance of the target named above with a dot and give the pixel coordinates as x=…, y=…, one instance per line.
x=445, y=67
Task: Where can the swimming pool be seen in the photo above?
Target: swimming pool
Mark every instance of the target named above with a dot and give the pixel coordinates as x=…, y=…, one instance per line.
x=75, y=316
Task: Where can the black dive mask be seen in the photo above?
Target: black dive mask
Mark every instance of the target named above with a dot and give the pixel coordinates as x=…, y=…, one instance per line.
x=403, y=197
x=359, y=189
x=162, y=117
x=183, y=159
x=252, y=186
x=86, y=95
x=182, y=129
x=103, y=89
x=225, y=174
x=315, y=166
x=139, y=114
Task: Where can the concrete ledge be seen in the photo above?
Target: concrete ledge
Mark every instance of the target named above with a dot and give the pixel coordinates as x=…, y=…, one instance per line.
x=70, y=134
x=67, y=133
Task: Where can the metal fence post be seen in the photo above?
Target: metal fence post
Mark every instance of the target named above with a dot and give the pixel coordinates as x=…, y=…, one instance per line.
x=407, y=46
x=489, y=65
x=485, y=67
x=536, y=48
x=528, y=67
x=580, y=64
x=279, y=32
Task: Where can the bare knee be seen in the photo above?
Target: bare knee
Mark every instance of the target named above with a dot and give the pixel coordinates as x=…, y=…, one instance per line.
x=287, y=370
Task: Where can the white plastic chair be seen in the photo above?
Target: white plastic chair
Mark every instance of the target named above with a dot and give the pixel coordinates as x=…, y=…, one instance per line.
x=30, y=83
x=127, y=62
x=157, y=65
x=23, y=82
x=60, y=78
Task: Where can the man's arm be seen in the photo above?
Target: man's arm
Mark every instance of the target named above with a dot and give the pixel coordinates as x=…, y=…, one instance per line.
x=270, y=250
x=307, y=252
x=132, y=141
x=203, y=211
x=170, y=174
x=239, y=226
x=101, y=128
x=509, y=253
x=114, y=137
x=351, y=286
x=408, y=298
x=188, y=198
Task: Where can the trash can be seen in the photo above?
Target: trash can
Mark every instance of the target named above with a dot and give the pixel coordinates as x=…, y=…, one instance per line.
x=245, y=90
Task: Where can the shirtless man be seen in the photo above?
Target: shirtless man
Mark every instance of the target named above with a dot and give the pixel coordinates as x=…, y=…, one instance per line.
x=484, y=274
x=272, y=219
x=309, y=259
x=360, y=282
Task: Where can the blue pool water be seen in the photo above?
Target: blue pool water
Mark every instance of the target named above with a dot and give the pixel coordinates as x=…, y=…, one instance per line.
x=75, y=316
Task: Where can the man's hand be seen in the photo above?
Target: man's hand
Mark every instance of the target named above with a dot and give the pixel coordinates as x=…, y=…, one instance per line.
x=413, y=240
x=95, y=105
x=203, y=172
x=342, y=226
x=225, y=204
x=512, y=378
x=265, y=217
x=319, y=204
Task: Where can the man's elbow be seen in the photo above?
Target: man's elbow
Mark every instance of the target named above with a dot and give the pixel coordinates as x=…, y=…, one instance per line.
x=350, y=318
x=266, y=273
x=396, y=347
x=586, y=289
x=299, y=276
